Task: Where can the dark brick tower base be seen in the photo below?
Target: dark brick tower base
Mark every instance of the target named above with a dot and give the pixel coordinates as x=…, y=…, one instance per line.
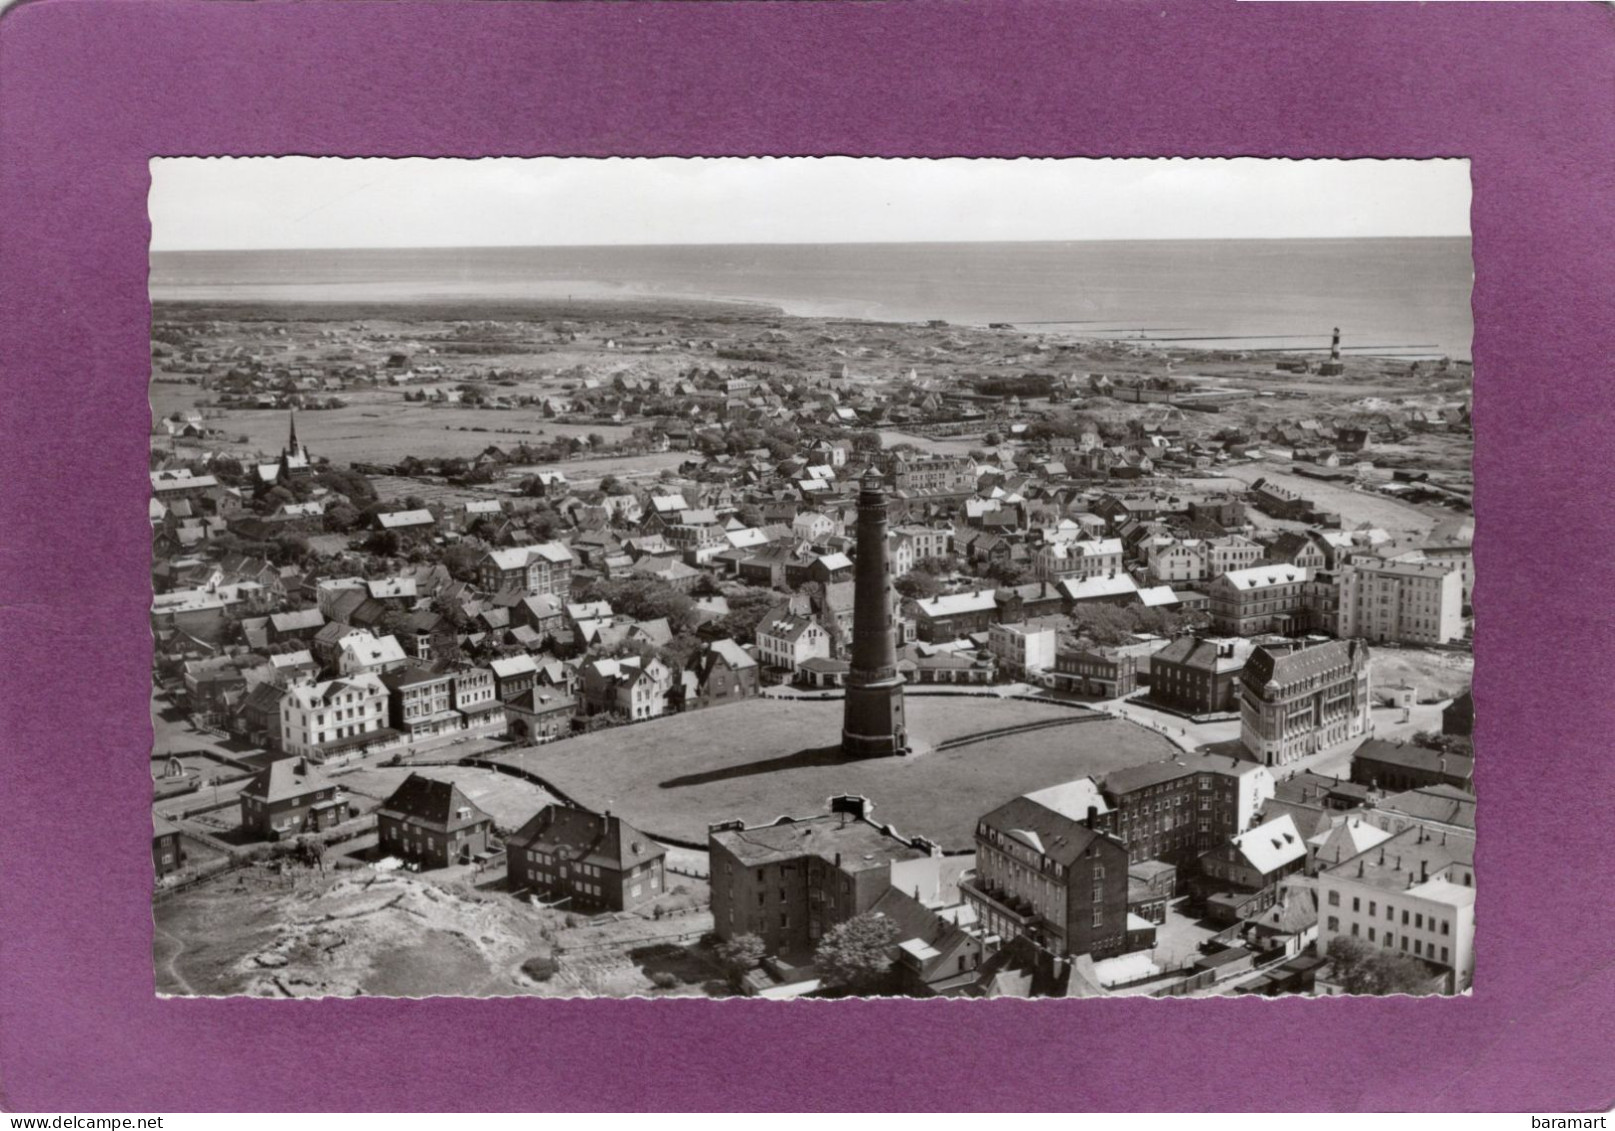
x=874, y=725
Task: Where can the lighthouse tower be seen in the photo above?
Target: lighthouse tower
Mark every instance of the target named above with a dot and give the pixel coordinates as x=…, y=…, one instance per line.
x=874, y=724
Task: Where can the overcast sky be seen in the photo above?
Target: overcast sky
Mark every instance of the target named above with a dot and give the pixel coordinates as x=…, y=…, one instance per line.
x=310, y=202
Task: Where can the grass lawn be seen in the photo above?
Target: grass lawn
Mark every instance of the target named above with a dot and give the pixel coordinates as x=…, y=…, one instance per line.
x=762, y=759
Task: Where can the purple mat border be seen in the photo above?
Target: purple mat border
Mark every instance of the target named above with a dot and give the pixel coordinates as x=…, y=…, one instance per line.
x=89, y=89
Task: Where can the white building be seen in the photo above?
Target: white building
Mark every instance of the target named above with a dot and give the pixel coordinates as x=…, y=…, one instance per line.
x=1412, y=894
x=788, y=641
x=1022, y=650
x=1408, y=602
x=317, y=721
x=1079, y=560
x=364, y=654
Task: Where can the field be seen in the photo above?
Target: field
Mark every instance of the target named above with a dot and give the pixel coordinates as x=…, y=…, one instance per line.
x=358, y=932
x=1402, y=521
x=762, y=759
x=1437, y=674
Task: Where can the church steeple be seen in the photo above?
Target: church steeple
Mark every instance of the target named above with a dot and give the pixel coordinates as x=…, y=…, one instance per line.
x=291, y=438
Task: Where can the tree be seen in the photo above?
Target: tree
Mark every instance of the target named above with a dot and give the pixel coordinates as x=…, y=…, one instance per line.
x=341, y=518
x=992, y=439
x=1363, y=968
x=918, y=585
x=855, y=956
x=740, y=955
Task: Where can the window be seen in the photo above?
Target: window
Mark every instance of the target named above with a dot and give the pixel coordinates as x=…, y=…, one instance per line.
x=1404, y=918
x=1334, y=923
x=1371, y=934
x=1098, y=916
x=1404, y=942
x=1444, y=954
x=1444, y=926
x=1353, y=929
x=1373, y=908
x=1356, y=904
x=1334, y=899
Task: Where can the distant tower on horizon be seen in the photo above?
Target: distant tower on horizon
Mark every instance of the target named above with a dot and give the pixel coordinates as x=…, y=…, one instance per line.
x=1332, y=367
x=873, y=725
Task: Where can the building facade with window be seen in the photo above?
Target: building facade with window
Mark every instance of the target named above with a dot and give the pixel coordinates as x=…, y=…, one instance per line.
x=1408, y=602
x=1413, y=894
x=1176, y=811
x=592, y=861
x=330, y=721
x=1298, y=701
x=289, y=797
x=790, y=882
x=1052, y=877
x=432, y=824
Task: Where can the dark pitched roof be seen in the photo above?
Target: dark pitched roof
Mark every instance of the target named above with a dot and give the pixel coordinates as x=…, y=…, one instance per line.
x=1414, y=757
x=583, y=837
x=1284, y=667
x=434, y=804
x=285, y=778
x=1060, y=838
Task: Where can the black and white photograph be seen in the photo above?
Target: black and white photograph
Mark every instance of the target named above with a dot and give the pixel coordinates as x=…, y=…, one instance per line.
x=811, y=577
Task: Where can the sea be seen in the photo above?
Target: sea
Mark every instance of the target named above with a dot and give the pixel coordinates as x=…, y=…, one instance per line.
x=1390, y=297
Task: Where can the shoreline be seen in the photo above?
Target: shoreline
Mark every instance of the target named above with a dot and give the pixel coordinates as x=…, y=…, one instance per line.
x=586, y=301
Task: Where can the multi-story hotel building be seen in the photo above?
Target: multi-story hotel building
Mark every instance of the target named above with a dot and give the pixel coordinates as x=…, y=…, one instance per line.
x=1175, y=811
x=1099, y=557
x=791, y=881
x=1051, y=874
x=334, y=719
x=534, y=570
x=1408, y=602
x=1298, y=700
x=1413, y=894
x=1270, y=598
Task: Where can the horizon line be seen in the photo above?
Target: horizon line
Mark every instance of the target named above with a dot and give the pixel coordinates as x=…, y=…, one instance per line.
x=816, y=243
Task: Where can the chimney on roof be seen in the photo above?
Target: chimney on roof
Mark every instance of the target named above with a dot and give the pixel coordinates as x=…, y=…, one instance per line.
x=1093, y=815
x=1424, y=870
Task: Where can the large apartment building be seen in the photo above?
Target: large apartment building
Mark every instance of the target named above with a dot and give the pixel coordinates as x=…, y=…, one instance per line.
x=791, y=881
x=1270, y=598
x=534, y=570
x=1099, y=557
x=331, y=721
x=1407, y=602
x=1176, y=811
x=1047, y=872
x=1412, y=894
x=1295, y=701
